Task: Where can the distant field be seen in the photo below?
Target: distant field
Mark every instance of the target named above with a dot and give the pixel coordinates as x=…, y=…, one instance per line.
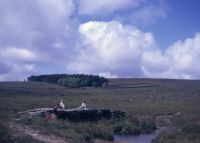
x=137, y=97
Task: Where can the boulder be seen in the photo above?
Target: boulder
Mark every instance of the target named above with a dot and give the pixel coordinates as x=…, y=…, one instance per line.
x=87, y=114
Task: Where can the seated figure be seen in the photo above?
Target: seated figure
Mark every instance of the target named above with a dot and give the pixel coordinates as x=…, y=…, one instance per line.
x=83, y=106
x=62, y=105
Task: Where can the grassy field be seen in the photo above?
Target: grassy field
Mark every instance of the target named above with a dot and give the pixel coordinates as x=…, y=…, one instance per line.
x=178, y=100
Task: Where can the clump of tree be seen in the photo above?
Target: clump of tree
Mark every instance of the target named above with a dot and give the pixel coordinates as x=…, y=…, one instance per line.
x=75, y=80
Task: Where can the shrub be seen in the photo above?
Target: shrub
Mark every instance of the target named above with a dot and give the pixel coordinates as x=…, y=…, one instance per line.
x=99, y=133
x=147, y=126
x=191, y=128
x=117, y=128
x=126, y=128
x=130, y=130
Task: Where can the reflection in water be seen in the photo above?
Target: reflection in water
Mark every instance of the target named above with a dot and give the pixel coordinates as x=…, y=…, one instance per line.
x=143, y=138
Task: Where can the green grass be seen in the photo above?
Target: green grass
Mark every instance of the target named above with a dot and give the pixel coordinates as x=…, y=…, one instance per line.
x=139, y=98
x=76, y=132
x=175, y=136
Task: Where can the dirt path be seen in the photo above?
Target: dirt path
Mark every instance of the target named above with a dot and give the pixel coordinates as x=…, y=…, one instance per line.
x=36, y=134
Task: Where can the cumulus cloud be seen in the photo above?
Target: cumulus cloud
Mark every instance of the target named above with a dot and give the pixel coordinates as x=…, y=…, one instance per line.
x=137, y=12
x=180, y=60
x=16, y=61
x=14, y=53
x=111, y=46
x=115, y=50
x=45, y=36
x=33, y=34
x=150, y=12
x=102, y=7
x=146, y=12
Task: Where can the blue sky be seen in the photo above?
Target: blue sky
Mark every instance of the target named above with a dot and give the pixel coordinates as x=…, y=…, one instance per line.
x=182, y=21
x=111, y=38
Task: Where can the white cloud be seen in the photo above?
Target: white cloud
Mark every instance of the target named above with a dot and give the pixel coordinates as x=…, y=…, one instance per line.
x=110, y=46
x=33, y=36
x=20, y=68
x=17, y=63
x=180, y=60
x=145, y=13
x=44, y=36
x=149, y=13
x=107, y=75
x=14, y=54
x=102, y=7
x=56, y=11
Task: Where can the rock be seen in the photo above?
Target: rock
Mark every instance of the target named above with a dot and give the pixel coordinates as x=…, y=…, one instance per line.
x=88, y=114
x=118, y=114
x=106, y=114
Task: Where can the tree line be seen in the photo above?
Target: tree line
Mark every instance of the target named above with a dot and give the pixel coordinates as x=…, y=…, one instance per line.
x=74, y=80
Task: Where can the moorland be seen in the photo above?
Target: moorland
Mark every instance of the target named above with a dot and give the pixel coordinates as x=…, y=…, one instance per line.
x=148, y=103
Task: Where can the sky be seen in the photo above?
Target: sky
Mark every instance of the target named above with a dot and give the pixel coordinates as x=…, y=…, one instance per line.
x=110, y=38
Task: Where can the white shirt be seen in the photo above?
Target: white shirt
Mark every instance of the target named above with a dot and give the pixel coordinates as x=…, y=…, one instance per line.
x=62, y=105
x=83, y=105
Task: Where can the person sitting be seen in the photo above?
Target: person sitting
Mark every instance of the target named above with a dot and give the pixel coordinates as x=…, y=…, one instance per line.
x=62, y=105
x=83, y=106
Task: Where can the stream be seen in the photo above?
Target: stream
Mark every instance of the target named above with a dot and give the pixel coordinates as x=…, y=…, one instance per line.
x=143, y=138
